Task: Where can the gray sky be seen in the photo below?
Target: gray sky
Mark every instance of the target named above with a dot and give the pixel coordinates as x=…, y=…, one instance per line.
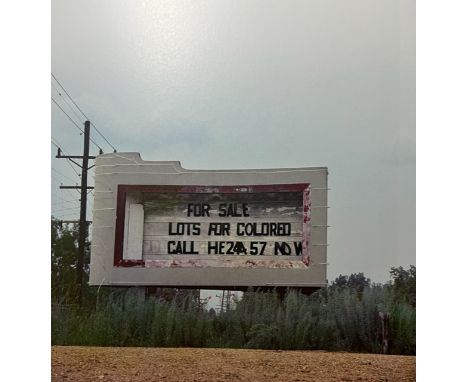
x=255, y=84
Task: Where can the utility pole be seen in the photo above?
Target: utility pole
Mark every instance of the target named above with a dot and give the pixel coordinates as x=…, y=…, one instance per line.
x=225, y=301
x=83, y=232
x=83, y=227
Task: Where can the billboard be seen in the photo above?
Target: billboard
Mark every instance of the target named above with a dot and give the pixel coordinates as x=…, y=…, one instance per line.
x=158, y=224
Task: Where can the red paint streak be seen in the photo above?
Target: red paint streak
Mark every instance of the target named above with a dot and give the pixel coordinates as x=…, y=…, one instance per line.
x=306, y=226
x=130, y=263
x=278, y=264
x=195, y=264
x=297, y=187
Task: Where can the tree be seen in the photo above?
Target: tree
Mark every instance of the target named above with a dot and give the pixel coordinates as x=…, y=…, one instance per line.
x=404, y=284
x=356, y=281
x=64, y=254
x=64, y=248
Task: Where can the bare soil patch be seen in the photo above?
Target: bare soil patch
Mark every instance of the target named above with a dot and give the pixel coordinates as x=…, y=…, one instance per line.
x=74, y=363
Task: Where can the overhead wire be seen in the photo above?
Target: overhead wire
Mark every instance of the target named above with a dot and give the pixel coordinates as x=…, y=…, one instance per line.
x=95, y=144
x=61, y=192
x=67, y=209
x=65, y=176
x=57, y=144
x=65, y=201
x=56, y=179
x=69, y=96
x=69, y=192
x=79, y=128
x=61, y=211
x=68, y=214
x=73, y=168
x=92, y=124
x=69, y=106
x=81, y=111
x=64, y=112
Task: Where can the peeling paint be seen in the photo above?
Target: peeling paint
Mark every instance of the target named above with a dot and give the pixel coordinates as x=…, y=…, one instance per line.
x=225, y=263
x=130, y=263
x=306, y=226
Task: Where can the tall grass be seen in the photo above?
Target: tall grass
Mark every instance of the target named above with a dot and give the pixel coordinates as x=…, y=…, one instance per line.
x=340, y=320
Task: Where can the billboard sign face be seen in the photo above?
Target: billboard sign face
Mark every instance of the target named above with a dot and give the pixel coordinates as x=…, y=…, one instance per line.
x=158, y=224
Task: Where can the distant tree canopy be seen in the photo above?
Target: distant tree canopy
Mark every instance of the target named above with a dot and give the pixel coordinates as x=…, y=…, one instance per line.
x=355, y=281
x=404, y=284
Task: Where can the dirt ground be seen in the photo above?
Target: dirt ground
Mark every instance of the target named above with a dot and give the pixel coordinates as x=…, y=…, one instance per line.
x=70, y=363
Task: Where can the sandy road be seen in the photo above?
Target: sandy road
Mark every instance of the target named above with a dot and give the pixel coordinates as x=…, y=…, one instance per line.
x=70, y=363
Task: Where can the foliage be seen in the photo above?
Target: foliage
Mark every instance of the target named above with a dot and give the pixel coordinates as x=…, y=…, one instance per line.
x=63, y=263
x=404, y=284
x=342, y=320
x=126, y=318
x=403, y=328
x=356, y=281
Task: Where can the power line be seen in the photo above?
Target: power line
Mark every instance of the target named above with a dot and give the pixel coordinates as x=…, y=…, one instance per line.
x=68, y=214
x=69, y=193
x=115, y=150
x=95, y=144
x=65, y=176
x=81, y=111
x=64, y=112
x=59, y=146
x=56, y=145
x=92, y=140
x=67, y=209
x=69, y=96
x=58, y=196
x=69, y=106
x=73, y=168
x=66, y=201
x=56, y=179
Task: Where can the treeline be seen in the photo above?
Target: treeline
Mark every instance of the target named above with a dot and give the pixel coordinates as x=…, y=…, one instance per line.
x=351, y=314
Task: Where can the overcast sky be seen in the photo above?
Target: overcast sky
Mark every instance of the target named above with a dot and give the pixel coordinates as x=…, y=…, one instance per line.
x=255, y=84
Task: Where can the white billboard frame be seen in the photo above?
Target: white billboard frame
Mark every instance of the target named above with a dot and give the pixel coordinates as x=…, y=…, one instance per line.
x=119, y=174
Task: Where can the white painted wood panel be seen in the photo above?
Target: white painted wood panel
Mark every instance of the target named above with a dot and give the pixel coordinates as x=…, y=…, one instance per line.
x=265, y=224
x=133, y=249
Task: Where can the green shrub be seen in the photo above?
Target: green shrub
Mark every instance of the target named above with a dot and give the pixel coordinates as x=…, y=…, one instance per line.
x=340, y=319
